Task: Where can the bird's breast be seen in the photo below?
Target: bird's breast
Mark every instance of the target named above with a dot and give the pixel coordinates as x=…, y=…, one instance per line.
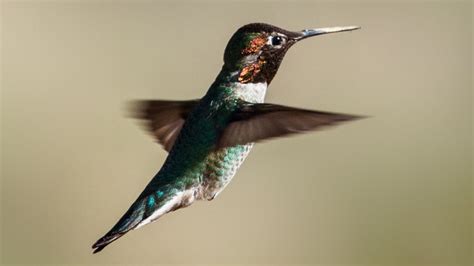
x=221, y=166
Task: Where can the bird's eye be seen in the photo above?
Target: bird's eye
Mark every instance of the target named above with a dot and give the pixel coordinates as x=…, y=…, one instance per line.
x=277, y=40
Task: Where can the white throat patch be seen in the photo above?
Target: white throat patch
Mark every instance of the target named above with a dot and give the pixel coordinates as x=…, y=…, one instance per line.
x=251, y=92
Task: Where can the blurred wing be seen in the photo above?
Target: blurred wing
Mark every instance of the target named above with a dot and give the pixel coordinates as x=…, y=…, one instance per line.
x=256, y=122
x=163, y=119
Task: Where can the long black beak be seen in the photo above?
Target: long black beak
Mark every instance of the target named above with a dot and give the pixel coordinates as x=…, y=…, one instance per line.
x=314, y=32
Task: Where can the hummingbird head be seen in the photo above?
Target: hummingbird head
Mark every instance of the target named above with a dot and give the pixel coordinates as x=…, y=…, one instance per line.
x=256, y=50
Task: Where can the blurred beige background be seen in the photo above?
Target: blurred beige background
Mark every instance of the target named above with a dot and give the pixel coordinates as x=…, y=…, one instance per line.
x=395, y=189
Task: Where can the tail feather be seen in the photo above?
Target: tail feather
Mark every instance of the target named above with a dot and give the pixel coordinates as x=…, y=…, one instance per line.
x=106, y=240
x=129, y=221
x=148, y=207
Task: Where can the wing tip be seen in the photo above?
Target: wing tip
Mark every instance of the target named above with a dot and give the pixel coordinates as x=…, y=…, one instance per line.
x=348, y=117
x=137, y=109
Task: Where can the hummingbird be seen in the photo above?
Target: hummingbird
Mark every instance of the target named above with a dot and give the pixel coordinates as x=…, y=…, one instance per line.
x=208, y=139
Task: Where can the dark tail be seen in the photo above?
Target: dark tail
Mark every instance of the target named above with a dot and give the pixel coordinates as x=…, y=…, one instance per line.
x=151, y=199
x=128, y=222
x=105, y=240
x=139, y=211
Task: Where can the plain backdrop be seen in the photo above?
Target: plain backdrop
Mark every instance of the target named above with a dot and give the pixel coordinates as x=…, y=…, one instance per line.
x=394, y=189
